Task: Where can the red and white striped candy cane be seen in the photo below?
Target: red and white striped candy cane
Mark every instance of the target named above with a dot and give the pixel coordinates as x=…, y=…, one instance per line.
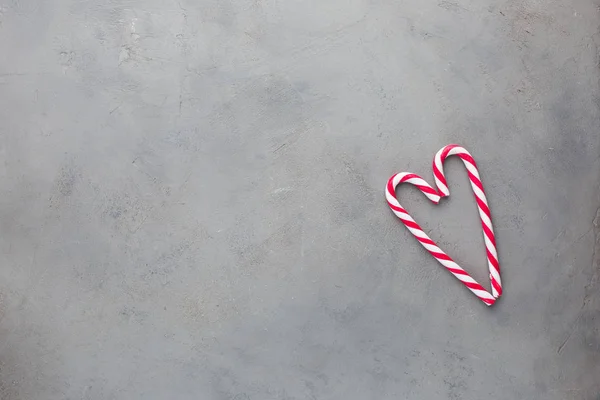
x=435, y=196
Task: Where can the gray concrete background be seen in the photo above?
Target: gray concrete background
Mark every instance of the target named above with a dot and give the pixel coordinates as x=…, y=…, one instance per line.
x=191, y=199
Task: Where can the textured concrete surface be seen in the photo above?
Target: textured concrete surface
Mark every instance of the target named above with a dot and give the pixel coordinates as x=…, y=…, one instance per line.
x=191, y=199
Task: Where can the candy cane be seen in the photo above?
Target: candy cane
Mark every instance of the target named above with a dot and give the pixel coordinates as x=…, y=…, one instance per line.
x=435, y=196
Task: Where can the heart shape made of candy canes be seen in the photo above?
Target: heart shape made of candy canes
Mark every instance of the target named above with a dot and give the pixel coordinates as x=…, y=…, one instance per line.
x=435, y=196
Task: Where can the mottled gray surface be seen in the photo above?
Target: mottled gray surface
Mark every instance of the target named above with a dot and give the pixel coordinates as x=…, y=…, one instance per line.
x=191, y=199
